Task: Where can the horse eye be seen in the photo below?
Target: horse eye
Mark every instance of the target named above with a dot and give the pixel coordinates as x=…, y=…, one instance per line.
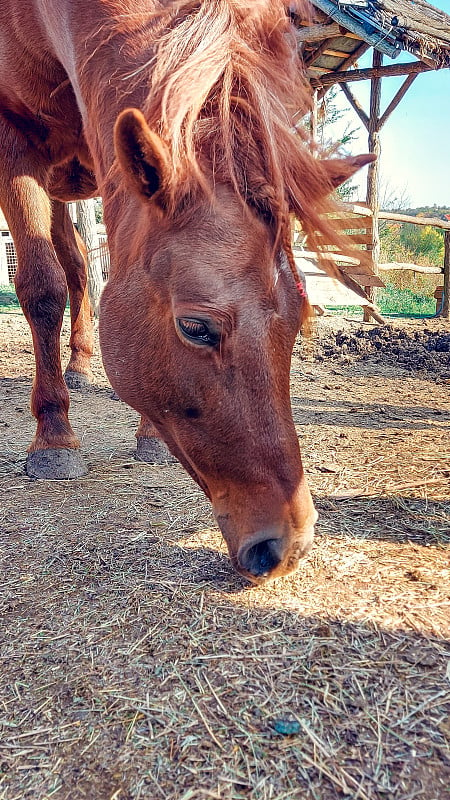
x=196, y=330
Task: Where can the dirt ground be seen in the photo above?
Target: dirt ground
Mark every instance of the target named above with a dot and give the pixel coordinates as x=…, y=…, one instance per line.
x=135, y=664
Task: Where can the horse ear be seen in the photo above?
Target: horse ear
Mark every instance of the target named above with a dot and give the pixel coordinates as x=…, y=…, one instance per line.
x=142, y=155
x=339, y=170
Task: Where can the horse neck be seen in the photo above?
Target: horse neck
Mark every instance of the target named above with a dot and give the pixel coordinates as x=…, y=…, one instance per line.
x=98, y=64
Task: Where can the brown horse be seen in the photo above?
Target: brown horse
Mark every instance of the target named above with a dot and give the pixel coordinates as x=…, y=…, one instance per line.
x=182, y=114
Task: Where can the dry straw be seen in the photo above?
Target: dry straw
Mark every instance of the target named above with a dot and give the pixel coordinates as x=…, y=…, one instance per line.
x=134, y=664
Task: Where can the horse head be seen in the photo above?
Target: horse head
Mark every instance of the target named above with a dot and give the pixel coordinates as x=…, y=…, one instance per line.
x=197, y=330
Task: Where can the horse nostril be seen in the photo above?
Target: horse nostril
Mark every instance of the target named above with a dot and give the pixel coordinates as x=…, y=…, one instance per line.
x=262, y=557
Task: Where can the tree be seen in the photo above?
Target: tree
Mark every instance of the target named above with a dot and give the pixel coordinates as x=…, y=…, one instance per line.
x=329, y=113
x=424, y=242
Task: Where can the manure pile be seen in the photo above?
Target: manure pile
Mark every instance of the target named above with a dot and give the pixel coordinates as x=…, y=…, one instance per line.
x=423, y=349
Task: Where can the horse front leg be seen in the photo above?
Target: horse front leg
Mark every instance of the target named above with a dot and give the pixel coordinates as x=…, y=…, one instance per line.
x=150, y=447
x=42, y=291
x=72, y=257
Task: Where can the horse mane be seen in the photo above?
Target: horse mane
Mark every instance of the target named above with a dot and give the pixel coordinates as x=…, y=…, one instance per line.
x=227, y=92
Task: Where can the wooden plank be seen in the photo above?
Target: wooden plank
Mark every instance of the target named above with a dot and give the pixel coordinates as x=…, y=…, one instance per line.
x=351, y=223
x=359, y=208
x=311, y=255
x=349, y=62
x=335, y=53
x=353, y=238
x=309, y=264
x=353, y=275
x=324, y=290
x=364, y=279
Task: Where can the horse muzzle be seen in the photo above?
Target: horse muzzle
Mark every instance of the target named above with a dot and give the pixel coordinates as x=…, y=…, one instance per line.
x=266, y=556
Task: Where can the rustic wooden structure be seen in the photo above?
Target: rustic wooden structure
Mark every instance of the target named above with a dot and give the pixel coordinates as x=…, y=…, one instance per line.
x=357, y=222
x=339, y=33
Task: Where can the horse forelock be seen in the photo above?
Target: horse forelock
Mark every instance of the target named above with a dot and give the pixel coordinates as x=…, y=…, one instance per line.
x=225, y=85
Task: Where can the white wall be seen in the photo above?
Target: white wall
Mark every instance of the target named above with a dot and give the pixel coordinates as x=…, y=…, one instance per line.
x=4, y=279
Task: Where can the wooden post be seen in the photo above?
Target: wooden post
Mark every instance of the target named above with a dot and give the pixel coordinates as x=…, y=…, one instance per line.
x=87, y=229
x=445, y=313
x=314, y=116
x=372, y=197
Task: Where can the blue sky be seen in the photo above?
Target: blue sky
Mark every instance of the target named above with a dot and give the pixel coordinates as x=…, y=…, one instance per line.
x=415, y=140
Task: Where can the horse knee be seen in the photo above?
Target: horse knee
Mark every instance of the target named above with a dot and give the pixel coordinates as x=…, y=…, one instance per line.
x=42, y=301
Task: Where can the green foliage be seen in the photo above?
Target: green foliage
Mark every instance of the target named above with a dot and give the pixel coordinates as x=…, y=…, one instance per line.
x=409, y=243
x=392, y=300
x=391, y=246
x=424, y=242
x=8, y=299
x=98, y=210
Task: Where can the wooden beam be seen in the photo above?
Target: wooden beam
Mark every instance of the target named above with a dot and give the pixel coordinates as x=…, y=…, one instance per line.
x=372, y=311
x=374, y=144
x=375, y=72
x=355, y=104
x=397, y=97
x=438, y=223
x=314, y=116
x=445, y=313
x=372, y=198
x=396, y=265
x=315, y=33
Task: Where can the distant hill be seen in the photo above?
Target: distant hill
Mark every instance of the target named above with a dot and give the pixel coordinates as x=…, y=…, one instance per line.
x=440, y=212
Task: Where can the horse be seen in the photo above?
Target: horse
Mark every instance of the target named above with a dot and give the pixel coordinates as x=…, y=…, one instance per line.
x=186, y=117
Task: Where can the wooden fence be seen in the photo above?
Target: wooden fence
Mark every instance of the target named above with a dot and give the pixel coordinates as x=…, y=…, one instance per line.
x=445, y=270
x=8, y=260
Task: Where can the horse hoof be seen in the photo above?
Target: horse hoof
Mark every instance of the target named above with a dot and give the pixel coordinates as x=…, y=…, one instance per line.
x=55, y=465
x=77, y=380
x=153, y=451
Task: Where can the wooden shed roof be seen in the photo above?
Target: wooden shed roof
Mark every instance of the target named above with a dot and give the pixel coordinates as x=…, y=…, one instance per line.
x=340, y=32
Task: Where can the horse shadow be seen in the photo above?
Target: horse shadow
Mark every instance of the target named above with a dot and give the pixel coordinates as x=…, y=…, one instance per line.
x=356, y=414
